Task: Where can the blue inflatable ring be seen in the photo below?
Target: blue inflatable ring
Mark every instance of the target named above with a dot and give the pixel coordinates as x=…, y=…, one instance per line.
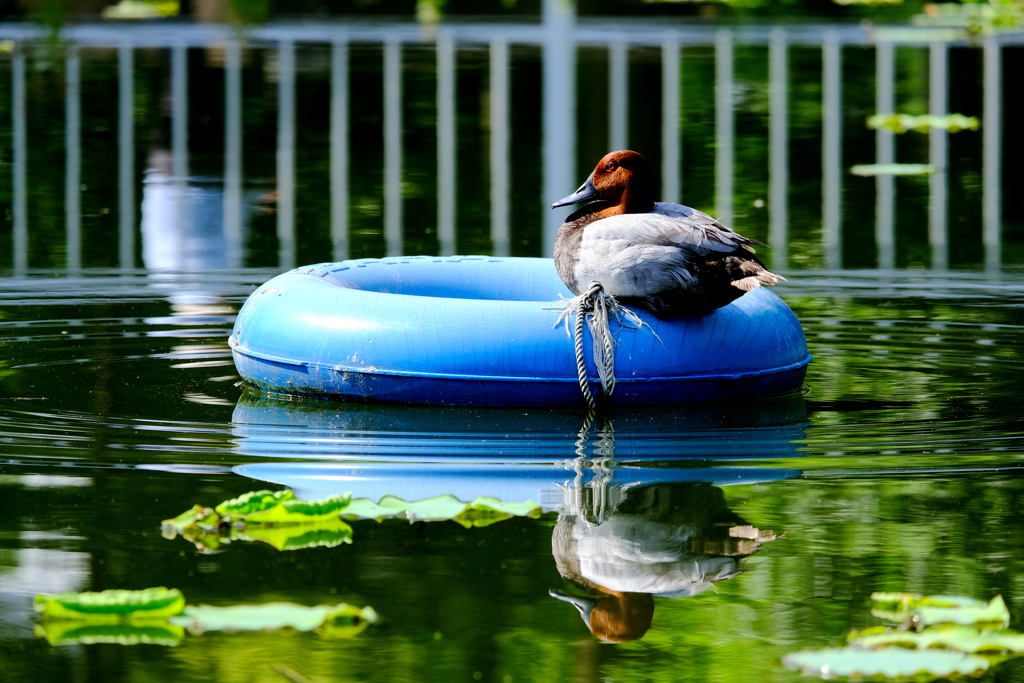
x=482, y=331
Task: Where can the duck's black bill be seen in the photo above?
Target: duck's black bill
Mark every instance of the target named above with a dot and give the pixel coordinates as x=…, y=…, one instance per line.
x=586, y=191
x=584, y=605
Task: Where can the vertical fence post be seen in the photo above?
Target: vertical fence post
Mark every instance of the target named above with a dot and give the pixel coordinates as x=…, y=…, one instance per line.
x=559, y=112
x=724, y=126
x=778, y=152
x=992, y=163
x=179, y=112
x=126, y=155
x=618, y=94
x=500, y=164
x=938, y=98
x=233, y=152
x=446, y=142
x=831, y=228
x=19, y=153
x=73, y=159
x=885, y=185
x=286, y=154
x=179, y=145
x=339, y=148
x=393, y=146
x=671, y=150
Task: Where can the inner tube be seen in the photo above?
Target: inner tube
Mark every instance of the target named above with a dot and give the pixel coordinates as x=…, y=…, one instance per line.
x=477, y=330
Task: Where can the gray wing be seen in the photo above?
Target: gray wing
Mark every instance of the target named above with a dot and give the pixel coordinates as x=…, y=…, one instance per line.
x=690, y=231
x=701, y=220
x=643, y=253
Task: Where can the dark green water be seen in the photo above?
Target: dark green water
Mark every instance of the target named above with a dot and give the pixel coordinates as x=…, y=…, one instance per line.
x=902, y=465
x=759, y=528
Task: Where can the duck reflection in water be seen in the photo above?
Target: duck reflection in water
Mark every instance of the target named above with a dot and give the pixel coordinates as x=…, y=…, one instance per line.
x=666, y=540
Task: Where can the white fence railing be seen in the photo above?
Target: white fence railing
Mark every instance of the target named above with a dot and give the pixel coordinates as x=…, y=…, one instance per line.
x=559, y=34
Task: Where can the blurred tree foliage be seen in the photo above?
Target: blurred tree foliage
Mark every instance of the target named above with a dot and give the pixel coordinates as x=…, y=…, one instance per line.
x=430, y=11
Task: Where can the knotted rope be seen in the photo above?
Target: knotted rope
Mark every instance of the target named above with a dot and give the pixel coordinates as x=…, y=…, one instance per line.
x=597, y=307
x=600, y=503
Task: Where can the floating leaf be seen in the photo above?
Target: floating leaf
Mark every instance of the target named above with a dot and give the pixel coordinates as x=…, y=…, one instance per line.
x=253, y=502
x=270, y=617
x=347, y=623
x=434, y=509
x=962, y=638
x=253, y=516
x=328, y=534
x=527, y=509
x=295, y=511
x=901, y=123
x=891, y=169
x=207, y=539
x=942, y=609
x=913, y=600
x=993, y=613
x=112, y=605
x=889, y=662
x=483, y=510
x=288, y=523
x=197, y=514
x=141, y=631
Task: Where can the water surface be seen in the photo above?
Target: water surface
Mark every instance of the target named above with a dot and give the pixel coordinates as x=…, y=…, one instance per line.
x=706, y=541
x=897, y=469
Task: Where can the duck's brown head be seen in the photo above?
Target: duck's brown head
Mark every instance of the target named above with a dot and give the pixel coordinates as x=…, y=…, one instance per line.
x=622, y=180
x=616, y=617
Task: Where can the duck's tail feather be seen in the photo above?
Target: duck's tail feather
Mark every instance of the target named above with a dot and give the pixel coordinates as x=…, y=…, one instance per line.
x=752, y=282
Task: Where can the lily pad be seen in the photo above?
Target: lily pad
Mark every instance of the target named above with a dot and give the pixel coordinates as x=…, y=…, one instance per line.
x=253, y=502
x=913, y=600
x=941, y=609
x=890, y=662
x=961, y=638
x=900, y=123
x=482, y=511
x=111, y=605
x=142, y=631
x=289, y=523
x=891, y=169
x=327, y=535
x=196, y=515
x=270, y=617
x=295, y=511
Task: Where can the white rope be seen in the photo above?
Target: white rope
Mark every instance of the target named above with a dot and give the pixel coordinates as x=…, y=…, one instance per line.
x=592, y=501
x=597, y=307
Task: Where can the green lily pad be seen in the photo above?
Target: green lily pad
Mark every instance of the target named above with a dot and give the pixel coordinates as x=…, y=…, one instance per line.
x=253, y=502
x=295, y=511
x=890, y=662
x=482, y=511
x=330, y=533
x=288, y=523
x=142, y=631
x=485, y=503
x=111, y=605
x=900, y=123
x=197, y=514
x=913, y=600
x=270, y=617
x=941, y=609
x=961, y=638
x=891, y=169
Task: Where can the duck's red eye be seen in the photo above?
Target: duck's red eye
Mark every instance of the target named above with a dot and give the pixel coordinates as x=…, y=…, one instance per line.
x=611, y=166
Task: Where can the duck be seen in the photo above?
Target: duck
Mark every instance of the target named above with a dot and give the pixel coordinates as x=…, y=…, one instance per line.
x=671, y=260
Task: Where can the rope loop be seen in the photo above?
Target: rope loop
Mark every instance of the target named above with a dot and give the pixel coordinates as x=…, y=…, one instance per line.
x=597, y=307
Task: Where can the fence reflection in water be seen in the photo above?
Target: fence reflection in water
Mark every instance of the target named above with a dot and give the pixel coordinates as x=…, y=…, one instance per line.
x=560, y=36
